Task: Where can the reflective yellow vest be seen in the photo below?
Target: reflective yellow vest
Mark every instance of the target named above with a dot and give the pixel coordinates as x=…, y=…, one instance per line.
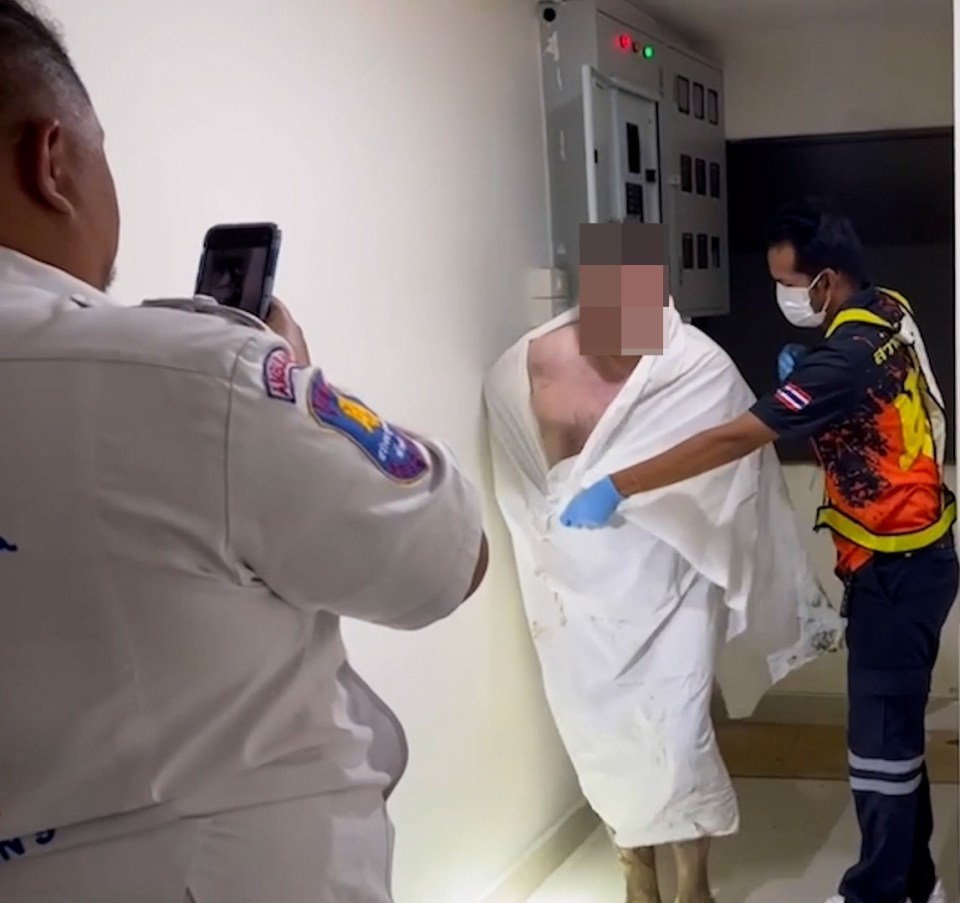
x=924, y=433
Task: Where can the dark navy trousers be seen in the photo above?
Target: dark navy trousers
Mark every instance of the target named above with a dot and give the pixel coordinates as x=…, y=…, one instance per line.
x=896, y=607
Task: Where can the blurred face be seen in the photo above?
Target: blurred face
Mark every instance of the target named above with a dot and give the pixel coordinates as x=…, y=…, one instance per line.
x=624, y=290
x=73, y=213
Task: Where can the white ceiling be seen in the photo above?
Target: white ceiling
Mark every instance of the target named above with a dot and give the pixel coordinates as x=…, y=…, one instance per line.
x=720, y=22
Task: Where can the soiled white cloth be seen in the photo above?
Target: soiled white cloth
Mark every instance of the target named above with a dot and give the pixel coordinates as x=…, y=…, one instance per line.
x=627, y=619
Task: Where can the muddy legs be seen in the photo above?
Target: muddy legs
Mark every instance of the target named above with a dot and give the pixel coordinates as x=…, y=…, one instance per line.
x=693, y=885
x=640, y=871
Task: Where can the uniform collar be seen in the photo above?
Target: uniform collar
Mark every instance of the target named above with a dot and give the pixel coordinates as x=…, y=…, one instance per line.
x=864, y=298
x=18, y=269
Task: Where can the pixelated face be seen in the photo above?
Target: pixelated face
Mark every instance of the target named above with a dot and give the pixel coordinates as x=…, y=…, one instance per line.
x=623, y=289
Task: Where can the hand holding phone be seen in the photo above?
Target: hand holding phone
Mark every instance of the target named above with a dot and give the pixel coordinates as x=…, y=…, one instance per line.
x=238, y=266
x=281, y=321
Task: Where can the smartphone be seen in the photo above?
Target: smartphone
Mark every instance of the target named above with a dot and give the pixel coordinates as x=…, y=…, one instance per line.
x=238, y=265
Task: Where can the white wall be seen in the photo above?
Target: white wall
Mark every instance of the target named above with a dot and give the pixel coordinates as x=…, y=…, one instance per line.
x=862, y=73
x=402, y=155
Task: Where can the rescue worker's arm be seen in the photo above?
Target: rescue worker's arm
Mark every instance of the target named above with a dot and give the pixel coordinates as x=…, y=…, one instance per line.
x=826, y=386
x=337, y=510
x=706, y=451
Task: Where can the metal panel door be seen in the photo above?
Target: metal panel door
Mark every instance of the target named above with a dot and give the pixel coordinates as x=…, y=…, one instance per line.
x=635, y=176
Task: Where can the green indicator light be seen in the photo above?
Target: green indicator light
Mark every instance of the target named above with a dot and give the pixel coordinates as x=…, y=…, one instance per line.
x=648, y=52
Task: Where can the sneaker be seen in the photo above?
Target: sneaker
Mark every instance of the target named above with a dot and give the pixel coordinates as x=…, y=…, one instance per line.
x=939, y=895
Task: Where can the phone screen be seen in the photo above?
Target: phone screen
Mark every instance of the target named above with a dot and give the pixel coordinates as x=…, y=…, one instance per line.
x=238, y=265
x=235, y=277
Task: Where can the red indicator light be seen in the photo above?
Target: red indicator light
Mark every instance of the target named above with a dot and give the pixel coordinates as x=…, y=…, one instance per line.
x=625, y=42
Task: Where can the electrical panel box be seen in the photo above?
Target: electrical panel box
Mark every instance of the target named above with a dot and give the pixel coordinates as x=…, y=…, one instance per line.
x=634, y=124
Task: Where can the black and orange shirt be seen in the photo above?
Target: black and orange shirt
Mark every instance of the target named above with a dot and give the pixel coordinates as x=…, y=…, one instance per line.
x=858, y=396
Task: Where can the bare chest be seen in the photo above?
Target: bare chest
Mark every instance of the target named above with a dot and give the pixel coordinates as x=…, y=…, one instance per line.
x=568, y=398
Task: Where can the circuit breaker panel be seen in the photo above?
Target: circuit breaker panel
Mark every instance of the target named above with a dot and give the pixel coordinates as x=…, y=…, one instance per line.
x=635, y=132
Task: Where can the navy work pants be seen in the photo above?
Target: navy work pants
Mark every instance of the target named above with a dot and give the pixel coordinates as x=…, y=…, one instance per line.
x=896, y=609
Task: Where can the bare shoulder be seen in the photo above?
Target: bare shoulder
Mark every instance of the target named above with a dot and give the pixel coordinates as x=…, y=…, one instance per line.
x=554, y=350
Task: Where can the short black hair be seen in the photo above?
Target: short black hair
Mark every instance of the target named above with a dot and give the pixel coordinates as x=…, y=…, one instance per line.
x=821, y=238
x=35, y=67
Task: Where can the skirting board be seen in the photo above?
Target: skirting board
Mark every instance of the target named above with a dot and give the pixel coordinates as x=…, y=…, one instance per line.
x=544, y=858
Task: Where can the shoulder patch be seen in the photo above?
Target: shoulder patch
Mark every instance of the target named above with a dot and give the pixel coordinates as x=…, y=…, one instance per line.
x=792, y=397
x=278, y=371
x=394, y=454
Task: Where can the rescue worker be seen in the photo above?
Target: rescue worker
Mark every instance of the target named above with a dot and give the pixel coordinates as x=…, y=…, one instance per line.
x=188, y=508
x=867, y=398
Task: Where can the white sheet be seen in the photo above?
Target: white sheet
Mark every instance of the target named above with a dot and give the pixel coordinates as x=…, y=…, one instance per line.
x=604, y=605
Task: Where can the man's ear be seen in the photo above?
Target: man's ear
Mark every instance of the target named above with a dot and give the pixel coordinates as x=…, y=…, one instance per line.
x=831, y=278
x=42, y=159
x=825, y=289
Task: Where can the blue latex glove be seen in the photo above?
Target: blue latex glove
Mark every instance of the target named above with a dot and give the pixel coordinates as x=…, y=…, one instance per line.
x=593, y=507
x=789, y=358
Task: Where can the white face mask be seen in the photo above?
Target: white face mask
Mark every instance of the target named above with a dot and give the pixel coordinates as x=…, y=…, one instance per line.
x=796, y=306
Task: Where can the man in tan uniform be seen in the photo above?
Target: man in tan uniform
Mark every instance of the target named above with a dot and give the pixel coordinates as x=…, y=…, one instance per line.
x=187, y=509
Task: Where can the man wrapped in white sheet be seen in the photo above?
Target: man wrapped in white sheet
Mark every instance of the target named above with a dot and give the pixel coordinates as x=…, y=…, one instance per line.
x=632, y=625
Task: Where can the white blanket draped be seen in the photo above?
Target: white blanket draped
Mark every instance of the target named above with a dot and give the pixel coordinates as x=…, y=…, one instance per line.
x=627, y=620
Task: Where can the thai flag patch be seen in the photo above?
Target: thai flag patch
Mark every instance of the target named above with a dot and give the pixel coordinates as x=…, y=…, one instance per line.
x=792, y=397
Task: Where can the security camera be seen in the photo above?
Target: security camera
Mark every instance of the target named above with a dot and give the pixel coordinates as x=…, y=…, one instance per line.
x=548, y=11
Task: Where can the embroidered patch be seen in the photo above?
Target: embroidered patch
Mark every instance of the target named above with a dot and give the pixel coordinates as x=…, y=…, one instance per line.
x=278, y=371
x=397, y=456
x=792, y=397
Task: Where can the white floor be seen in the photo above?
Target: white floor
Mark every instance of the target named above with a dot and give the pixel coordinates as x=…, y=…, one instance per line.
x=796, y=840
